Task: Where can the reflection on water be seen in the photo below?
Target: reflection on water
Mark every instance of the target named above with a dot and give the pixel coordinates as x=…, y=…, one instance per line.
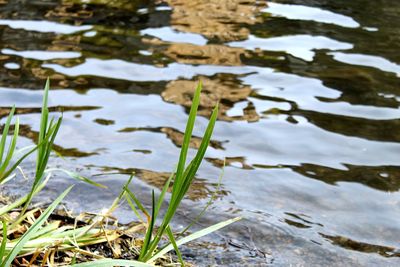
x=222, y=87
x=222, y=20
x=363, y=247
x=379, y=177
x=308, y=129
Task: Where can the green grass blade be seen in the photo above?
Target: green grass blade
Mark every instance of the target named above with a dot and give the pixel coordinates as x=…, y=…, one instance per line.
x=161, y=230
x=18, y=162
x=9, y=178
x=4, y=241
x=11, y=150
x=186, y=139
x=49, y=141
x=134, y=209
x=209, y=203
x=185, y=181
x=5, y=133
x=128, y=197
x=44, y=117
x=162, y=195
x=137, y=202
x=33, y=229
x=175, y=245
x=50, y=227
x=191, y=170
x=43, y=158
x=111, y=262
x=149, y=232
x=193, y=236
x=200, y=154
x=120, y=196
x=42, y=133
x=77, y=177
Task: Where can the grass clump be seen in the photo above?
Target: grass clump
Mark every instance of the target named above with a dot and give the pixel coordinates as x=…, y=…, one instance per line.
x=36, y=236
x=182, y=179
x=6, y=168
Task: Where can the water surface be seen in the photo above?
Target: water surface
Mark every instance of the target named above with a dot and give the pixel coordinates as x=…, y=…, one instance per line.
x=309, y=122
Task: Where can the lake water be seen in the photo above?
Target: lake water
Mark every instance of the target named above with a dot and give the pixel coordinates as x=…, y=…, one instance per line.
x=309, y=122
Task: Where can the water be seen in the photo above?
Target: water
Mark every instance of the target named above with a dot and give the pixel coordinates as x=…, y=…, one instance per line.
x=309, y=121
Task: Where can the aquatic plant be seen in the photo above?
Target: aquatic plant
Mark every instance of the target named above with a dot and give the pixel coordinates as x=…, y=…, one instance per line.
x=6, y=155
x=43, y=236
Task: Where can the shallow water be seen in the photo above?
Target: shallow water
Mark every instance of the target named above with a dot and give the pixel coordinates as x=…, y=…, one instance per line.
x=309, y=121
